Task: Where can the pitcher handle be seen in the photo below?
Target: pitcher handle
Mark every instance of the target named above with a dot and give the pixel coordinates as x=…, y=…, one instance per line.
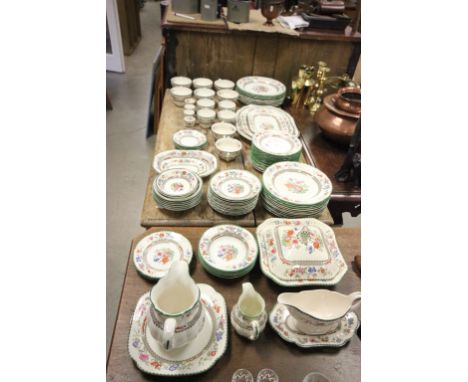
x=168, y=334
x=355, y=299
x=256, y=328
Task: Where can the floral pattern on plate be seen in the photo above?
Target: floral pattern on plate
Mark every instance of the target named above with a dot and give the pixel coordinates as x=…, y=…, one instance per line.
x=201, y=162
x=227, y=248
x=148, y=361
x=299, y=252
x=279, y=321
x=236, y=184
x=189, y=138
x=258, y=86
x=154, y=253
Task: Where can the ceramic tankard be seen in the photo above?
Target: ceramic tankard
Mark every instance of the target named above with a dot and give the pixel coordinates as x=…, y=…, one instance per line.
x=176, y=315
x=318, y=311
x=248, y=316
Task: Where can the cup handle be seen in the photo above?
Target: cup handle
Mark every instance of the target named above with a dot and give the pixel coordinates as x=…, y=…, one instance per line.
x=355, y=298
x=256, y=328
x=169, y=330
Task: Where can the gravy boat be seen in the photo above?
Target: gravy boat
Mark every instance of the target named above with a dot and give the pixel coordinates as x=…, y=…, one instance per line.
x=318, y=311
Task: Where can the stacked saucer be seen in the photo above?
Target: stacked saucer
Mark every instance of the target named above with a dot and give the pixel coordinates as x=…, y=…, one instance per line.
x=227, y=251
x=295, y=190
x=260, y=91
x=270, y=147
x=234, y=192
x=189, y=139
x=177, y=189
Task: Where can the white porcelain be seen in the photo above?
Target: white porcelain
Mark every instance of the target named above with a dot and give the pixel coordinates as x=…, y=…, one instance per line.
x=255, y=118
x=318, y=311
x=197, y=356
x=261, y=87
x=154, y=253
x=316, y=377
x=281, y=321
x=201, y=83
x=277, y=143
x=227, y=95
x=228, y=148
x=204, y=93
x=223, y=130
x=228, y=116
x=220, y=84
x=181, y=81
x=179, y=94
x=190, y=101
x=175, y=303
x=189, y=113
x=205, y=103
x=176, y=183
x=201, y=162
x=189, y=139
x=242, y=375
x=249, y=316
x=227, y=105
x=189, y=106
x=267, y=375
x=206, y=117
x=300, y=252
x=189, y=121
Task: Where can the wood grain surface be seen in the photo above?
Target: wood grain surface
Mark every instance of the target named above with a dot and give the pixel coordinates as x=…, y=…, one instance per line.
x=202, y=215
x=270, y=351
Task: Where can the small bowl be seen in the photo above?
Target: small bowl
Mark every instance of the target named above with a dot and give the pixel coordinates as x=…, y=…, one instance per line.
x=224, y=84
x=228, y=148
x=227, y=94
x=189, y=113
x=202, y=83
x=189, y=121
x=190, y=101
x=206, y=103
x=181, y=81
x=227, y=105
x=315, y=377
x=204, y=93
x=228, y=116
x=223, y=130
x=189, y=106
x=179, y=94
x=206, y=117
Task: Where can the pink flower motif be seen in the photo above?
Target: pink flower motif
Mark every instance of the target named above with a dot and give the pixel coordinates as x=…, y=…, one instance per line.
x=144, y=357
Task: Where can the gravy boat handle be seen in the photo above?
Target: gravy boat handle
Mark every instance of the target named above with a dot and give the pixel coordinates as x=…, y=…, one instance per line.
x=355, y=298
x=169, y=330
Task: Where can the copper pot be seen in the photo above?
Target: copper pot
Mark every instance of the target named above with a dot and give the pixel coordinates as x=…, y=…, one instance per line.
x=336, y=124
x=349, y=99
x=271, y=10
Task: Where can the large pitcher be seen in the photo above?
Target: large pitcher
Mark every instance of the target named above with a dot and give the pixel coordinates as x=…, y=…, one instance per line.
x=176, y=315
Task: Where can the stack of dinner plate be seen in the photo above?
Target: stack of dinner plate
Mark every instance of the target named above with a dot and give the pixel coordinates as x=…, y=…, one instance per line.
x=189, y=139
x=177, y=189
x=295, y=190
x=234, y=192
x=260, y=91
x=270, y=147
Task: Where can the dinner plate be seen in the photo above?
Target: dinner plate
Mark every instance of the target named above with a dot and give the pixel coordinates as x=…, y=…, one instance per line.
x=194, y=358
x=235, y=185
x=201, y=162
x=300, y=252
x=154, y=253
x=228, y=249
x=260, y=87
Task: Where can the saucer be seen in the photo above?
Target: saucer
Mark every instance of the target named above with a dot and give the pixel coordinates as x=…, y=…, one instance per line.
x=154, y=254
x=281, y=323
x=195, y=357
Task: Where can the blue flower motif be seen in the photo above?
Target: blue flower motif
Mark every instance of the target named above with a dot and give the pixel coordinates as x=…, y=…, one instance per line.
x=219, y=336
x=173, y=367
x=136, y=343
x=312, y=269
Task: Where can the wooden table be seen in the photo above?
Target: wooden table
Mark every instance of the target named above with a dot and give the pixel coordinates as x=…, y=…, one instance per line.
x=328, y=157
x=289, y=361
x=202, y=215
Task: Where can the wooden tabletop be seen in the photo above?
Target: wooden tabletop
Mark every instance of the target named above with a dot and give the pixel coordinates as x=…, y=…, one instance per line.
x=290, y=362
x=202, y=215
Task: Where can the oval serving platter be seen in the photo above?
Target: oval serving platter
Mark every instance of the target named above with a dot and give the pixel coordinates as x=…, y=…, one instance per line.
x=201, y=162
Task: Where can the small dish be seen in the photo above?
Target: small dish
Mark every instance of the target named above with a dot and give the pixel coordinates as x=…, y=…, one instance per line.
x=206, y=117
x=190, y=101
x=242, y=375
x=228, y=148
x=189, y=106
x=226, y=104
x=181, y=81
x=315, y=377
x=189, y=121
x=202, y=83
x=267, y=375
x=205, y=103
x=179, y=94
x=227, y=116
x=221, y=84
x=203, y=93
x=223, y=130
x=189, y=139
x=189, y=113
x=227, y=94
